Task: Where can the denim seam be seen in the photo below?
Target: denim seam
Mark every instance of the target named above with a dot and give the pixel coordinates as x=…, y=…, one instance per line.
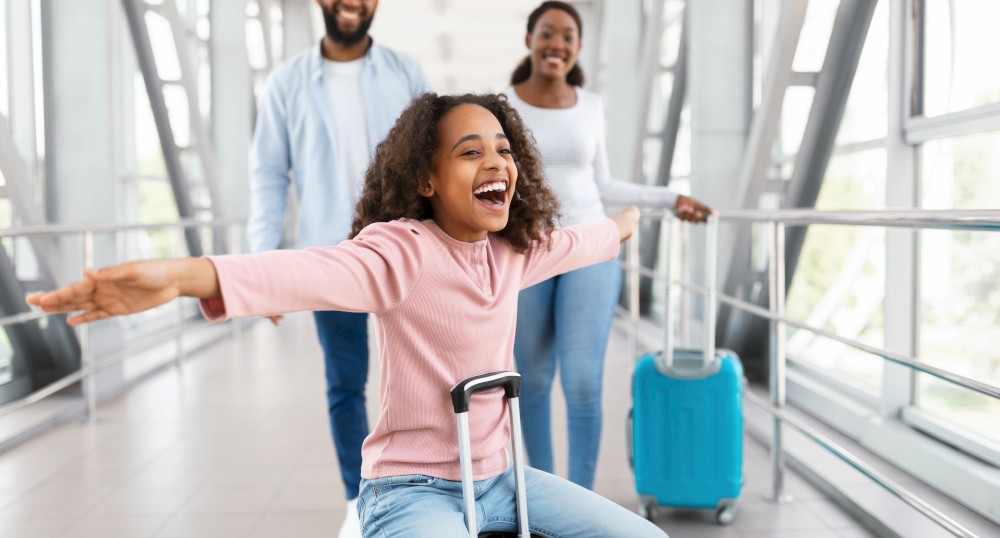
x=374, y=517
x=534, y=529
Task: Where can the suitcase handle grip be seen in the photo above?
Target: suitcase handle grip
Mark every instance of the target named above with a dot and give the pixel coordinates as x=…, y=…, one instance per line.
x=709, y=298
x=462, y=392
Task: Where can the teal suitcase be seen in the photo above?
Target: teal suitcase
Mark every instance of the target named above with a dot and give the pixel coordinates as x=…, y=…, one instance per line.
x=685, y=429
x=687, y=433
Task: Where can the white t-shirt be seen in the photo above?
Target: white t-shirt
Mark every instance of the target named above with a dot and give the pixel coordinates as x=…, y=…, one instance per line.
x=342, y=81
x=571, y=142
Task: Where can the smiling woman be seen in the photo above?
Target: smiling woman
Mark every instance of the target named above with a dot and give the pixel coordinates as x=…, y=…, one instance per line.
x=565, y=321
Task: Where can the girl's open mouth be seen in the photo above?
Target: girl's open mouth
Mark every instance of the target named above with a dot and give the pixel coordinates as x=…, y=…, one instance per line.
x=493, y=194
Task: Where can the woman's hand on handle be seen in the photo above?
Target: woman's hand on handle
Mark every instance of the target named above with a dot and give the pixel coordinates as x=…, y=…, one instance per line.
x=129, y=288
x=692, y=210
x=626, y=221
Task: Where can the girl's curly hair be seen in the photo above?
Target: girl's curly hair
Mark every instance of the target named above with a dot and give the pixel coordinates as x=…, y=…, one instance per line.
x=402, y=164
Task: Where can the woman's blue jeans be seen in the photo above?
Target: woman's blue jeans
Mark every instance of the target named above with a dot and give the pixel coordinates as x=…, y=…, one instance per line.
x=418, y=506
x=565, y=321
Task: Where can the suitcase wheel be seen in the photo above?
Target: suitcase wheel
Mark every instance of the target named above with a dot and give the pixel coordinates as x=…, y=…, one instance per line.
x=648, y=509
x=628, y=441
x=725, y=515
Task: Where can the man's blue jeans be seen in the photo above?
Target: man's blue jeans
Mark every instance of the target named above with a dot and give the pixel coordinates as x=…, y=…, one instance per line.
x=418, y=506
x=344, y=338
x=565, y=321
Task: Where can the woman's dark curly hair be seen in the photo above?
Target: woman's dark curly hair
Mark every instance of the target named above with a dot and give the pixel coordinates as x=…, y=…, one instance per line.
x=402, y=164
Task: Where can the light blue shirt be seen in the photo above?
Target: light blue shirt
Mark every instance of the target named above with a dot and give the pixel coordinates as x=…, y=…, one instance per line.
x=295, y=140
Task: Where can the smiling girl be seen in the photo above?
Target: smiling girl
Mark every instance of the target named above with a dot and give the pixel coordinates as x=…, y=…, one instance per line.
x=454, y=221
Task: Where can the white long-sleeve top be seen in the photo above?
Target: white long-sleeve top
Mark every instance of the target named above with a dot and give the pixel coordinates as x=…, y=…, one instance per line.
x=571, y=142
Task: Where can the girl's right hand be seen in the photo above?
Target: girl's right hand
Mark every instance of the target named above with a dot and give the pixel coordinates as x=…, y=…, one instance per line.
x=626, y=221
x=129, y=288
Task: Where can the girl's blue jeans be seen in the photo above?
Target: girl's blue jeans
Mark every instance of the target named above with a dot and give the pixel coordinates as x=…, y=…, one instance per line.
x=418, y=506
x=565, y=321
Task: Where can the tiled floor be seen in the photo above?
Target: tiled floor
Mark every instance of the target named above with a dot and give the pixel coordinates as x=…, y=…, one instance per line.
x=236, y=444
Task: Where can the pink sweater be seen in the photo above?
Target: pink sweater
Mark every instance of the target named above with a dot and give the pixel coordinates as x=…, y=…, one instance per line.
x=446, y=311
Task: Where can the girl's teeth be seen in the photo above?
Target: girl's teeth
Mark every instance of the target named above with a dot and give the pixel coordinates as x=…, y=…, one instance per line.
x=496, y=187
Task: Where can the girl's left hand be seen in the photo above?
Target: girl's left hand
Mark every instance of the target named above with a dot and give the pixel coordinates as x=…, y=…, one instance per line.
x=626, y=221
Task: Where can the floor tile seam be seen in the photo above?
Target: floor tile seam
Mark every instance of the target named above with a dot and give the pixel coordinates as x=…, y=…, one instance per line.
x=257, y=523
x=117, y=487
x=69, y=522
x=779, y=527
x=274, y=499
x=177, y=511
x=94, y=503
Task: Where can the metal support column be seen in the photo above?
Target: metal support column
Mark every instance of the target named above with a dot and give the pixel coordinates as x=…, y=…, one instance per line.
x=902, y=254
x=20, y=191
x=752, y=179
x=135, y=15
x=776, y=271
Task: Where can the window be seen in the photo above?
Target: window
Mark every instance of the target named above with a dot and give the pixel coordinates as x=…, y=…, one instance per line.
x=815, y=36
x=867, y=112
x=960, y=313
x=794, y=116
x=961, y=172
x=839, y=282
x=960, y=47
x=4, y=90
x=959, y=271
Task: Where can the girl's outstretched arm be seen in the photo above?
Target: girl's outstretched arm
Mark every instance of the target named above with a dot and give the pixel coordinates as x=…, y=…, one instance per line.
x=130, y=287
x=578, y=246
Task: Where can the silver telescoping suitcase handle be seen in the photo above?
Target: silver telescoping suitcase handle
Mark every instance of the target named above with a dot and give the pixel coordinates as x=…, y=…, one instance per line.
x=461, y=395
x=709, y=297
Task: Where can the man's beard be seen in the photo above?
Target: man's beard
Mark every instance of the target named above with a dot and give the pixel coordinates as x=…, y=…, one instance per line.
x=346, y=39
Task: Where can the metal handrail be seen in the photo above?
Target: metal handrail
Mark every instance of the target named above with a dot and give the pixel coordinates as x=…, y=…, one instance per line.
x=21, y=318
x=777, y=221
x=89, y=364
x=65, y=229
x=887, y=483
x=81, y=374
x=965, y=219
x=973, y=220
x=898, y=358
x=956, y=219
